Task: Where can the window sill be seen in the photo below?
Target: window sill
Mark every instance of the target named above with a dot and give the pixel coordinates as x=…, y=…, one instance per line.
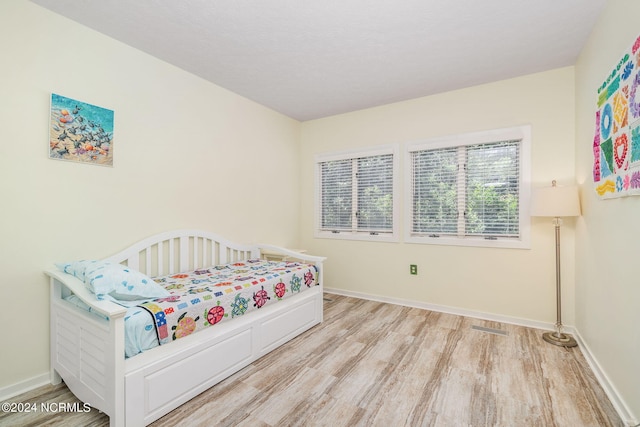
x=470, y=241
x=347, y=235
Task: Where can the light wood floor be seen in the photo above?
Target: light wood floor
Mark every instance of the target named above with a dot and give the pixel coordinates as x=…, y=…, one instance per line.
x=375, y=364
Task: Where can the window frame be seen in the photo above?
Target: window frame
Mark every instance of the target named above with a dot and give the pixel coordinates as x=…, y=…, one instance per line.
x=521, y=133
x=394, y=234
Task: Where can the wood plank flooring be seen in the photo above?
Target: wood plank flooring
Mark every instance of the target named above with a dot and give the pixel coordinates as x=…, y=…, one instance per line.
x=376, y=364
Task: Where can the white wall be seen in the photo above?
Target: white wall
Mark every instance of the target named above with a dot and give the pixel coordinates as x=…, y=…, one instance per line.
x=507, y=282
x=608, y=278
x=188, y=154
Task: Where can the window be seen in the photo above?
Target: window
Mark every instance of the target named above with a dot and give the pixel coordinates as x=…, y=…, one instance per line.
x=357, y=195
x=470, y=189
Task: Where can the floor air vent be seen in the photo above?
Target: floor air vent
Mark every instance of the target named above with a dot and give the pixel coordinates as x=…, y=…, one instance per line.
x=490, y=330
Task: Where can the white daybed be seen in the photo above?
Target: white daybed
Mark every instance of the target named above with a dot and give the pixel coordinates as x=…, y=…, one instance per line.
x=87, y=351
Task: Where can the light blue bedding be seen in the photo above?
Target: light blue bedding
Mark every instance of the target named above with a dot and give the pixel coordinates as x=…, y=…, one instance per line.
x=139, y=328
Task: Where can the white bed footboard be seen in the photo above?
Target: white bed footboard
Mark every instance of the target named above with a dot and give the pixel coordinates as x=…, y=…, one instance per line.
x=87, y=351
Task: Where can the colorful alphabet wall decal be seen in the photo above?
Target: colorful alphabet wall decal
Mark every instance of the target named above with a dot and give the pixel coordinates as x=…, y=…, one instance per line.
x=616, y=142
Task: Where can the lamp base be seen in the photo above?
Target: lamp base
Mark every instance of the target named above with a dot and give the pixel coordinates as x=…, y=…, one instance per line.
x=559, y=339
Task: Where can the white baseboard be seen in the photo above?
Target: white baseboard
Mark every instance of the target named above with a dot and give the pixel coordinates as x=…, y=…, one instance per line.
x=449, y=310
x=612, y=393
x=616, y=400
x=23, y=386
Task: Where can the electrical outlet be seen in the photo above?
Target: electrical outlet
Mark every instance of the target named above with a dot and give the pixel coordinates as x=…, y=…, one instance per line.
x=413, y=269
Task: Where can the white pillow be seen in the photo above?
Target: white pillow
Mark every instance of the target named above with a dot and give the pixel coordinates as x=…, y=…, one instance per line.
x=116, y=282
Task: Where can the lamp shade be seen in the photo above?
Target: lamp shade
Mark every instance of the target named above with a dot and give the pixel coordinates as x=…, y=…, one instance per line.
x=555, y=201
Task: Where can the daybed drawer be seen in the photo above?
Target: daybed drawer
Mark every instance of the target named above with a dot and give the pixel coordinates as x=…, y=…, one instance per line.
x=191, y=375
x=279, y=329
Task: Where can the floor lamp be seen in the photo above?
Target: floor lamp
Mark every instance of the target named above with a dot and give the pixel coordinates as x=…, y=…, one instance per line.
x=556, y=202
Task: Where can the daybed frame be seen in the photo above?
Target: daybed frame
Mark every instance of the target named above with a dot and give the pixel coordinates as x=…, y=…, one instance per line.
x=87, y=352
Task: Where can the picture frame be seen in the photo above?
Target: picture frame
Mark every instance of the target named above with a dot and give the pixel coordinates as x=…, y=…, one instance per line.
x=80, y=132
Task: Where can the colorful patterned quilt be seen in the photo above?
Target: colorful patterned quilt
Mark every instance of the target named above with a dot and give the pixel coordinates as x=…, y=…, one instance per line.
x=203, y=298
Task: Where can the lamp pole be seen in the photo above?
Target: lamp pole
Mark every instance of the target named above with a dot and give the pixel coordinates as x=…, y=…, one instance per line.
x=558, y=337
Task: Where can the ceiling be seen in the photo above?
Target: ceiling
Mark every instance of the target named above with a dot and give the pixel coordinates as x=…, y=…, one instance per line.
x=311, y=59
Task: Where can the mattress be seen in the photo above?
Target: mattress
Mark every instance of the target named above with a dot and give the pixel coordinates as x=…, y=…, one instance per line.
x=203, y=298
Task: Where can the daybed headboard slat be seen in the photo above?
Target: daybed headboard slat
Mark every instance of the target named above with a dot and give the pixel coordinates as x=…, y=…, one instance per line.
x=160, y=259
x=196, y=258
x=171, y=258
x=147, y=261
x=184, y=254
x=223, y=254
x=206, y=249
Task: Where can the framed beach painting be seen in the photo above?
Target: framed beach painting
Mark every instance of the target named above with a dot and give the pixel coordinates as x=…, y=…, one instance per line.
x=80, y=132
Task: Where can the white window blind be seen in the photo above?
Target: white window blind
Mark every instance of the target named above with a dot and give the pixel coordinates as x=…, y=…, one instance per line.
x=492, y=190
x=461, y=190
x=336, y=195
x=435, y=191
x=356, y=195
